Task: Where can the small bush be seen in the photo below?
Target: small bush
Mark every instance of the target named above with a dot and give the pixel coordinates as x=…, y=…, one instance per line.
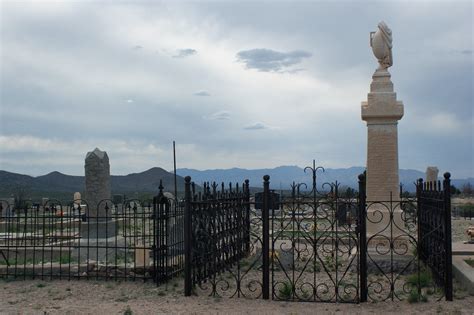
x=424, y=279
x=414, y=297
x=286, y=291
x=128, y=311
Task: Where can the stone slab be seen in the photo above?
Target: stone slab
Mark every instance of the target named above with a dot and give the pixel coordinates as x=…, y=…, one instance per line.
x=463, y=272
x=462, y=249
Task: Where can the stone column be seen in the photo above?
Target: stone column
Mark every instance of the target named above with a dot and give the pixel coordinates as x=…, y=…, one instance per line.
x=432, y=174
x=382, y=112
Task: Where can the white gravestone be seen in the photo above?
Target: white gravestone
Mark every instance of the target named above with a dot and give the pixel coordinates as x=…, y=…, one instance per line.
x=432, y=174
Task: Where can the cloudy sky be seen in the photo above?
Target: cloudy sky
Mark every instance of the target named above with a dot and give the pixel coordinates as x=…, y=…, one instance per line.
x=236, y=84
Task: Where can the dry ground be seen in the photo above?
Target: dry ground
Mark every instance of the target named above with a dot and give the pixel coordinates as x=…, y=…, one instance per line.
x=89, y=297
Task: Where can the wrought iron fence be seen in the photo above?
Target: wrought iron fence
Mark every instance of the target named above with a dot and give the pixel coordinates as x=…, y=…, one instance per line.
x=220, y=222
x=133, y=240
x=314, y=245
x=434, y=232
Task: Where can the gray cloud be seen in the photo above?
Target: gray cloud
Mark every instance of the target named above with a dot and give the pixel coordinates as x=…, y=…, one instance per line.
x=59, y=83
x=182, y=53
x=220, y=115
x=202, y=93
x=266, y=60
x=256, y=126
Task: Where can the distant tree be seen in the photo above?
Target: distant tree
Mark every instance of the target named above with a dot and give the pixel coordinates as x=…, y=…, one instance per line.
x=20, y=195
x=347, y=192
x=454, y=190
x=467, y=189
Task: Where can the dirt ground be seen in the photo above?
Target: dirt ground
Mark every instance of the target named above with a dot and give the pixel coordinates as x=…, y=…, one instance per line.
x=458, y=229
x=89, y=297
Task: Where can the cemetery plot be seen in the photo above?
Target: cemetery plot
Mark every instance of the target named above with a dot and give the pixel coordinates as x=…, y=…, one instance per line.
x=132, y=240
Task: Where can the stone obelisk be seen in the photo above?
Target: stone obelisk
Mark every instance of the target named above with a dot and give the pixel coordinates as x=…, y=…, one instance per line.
x=382, y=111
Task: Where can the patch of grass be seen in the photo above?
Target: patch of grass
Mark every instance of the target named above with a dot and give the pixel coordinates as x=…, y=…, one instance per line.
x=128, y=311
x=414, y=297
x=424, y=279
x=470, y=262
x=65, y=260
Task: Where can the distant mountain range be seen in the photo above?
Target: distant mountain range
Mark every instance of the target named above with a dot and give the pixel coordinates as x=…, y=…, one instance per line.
x=148, y=181
x=283, y=176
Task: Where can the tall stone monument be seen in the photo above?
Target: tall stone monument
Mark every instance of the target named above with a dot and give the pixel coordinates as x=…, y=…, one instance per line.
x=97, y=171
x=432, y=174
x=382, y=111
x=97, y=195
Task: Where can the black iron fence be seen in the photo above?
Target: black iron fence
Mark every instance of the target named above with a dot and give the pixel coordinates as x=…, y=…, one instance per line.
x=220, y=224
x=133, y=240
x=434, y=231
x=316, y=245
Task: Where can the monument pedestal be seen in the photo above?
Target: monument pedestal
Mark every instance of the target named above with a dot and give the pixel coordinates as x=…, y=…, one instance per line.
x=382, y=112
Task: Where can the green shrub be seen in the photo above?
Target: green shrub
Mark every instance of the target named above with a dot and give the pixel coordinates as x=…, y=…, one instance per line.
x=286, y=291
x=414, y=297
x=128, y=311
x=424, y=279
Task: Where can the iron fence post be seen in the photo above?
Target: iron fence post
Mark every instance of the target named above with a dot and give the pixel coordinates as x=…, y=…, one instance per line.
x=247, y=217
x=448, y=245
x=419, y=243
x=187, y=237
x=265, y=239
x=362, y=239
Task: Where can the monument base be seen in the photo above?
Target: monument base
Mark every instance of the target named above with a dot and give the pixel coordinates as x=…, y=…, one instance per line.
x=99, y=229
x=387, y=254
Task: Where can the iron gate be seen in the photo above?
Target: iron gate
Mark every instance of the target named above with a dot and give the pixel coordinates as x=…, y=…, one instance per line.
x=310, y=244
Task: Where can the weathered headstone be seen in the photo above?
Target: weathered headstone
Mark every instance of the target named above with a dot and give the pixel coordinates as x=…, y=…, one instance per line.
x=77, y=198
x=97, y=171
x=382, y=111
x=432, y=174
x=97, y=195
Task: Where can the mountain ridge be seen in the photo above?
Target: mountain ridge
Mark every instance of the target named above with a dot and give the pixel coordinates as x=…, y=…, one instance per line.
x=147, y=181
x=281, y=177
